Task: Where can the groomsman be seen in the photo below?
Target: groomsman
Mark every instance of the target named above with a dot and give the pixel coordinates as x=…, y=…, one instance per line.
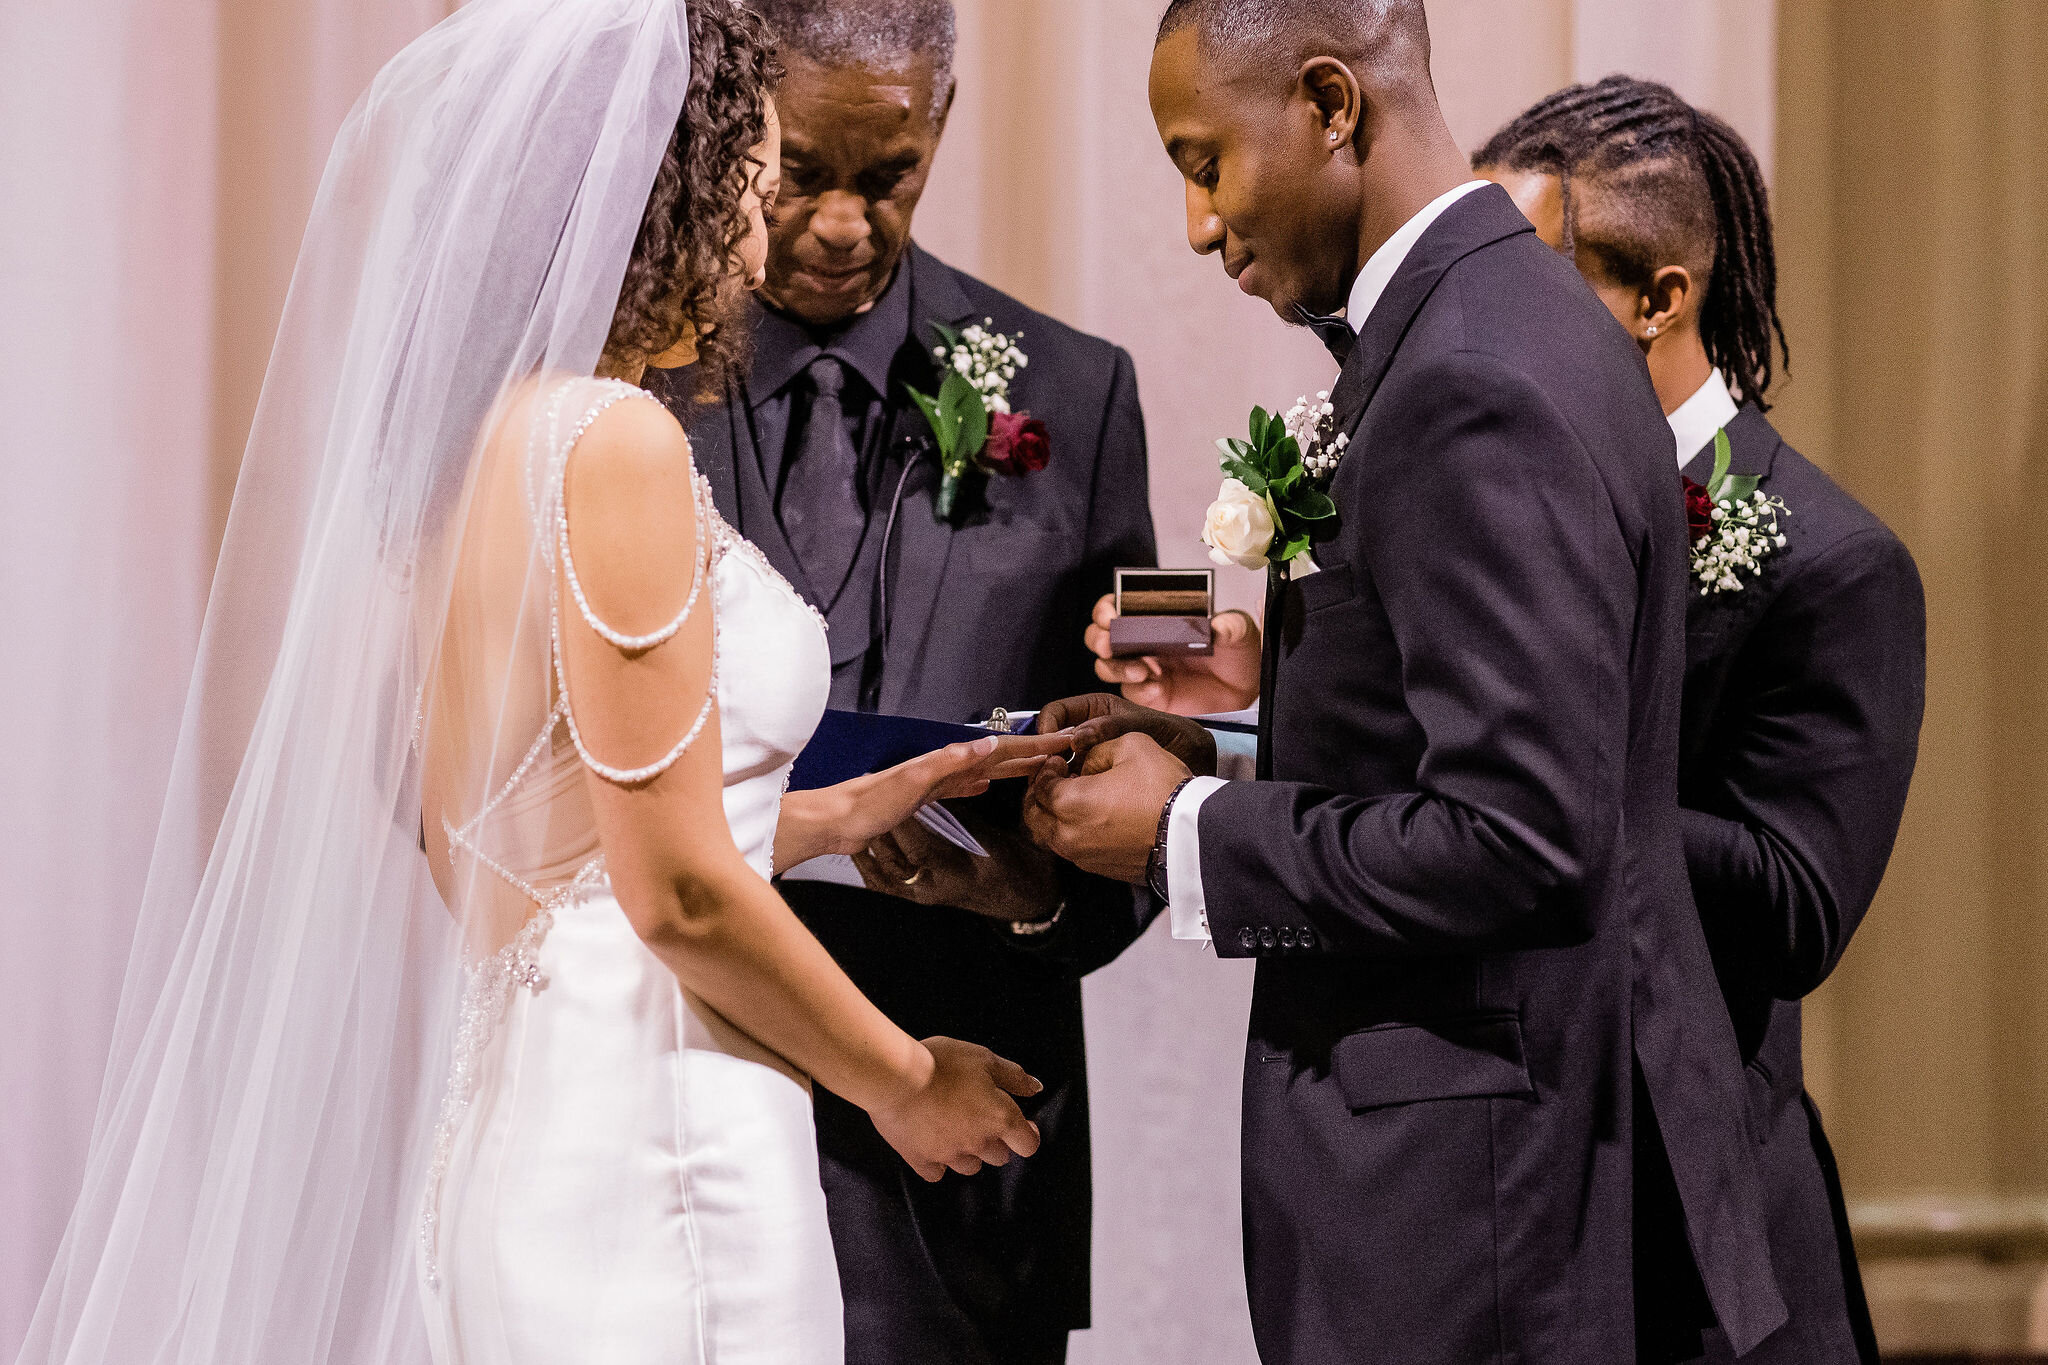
x=1490, y=1083
x=820, y=457
x=1804, y=683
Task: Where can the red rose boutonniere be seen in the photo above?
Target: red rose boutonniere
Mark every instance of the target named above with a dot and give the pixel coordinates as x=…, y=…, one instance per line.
x=970, y=415
x=1734, y=525
x=1017, y=444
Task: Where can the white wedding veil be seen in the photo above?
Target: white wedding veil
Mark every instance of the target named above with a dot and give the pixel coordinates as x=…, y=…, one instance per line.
x=253, y=1189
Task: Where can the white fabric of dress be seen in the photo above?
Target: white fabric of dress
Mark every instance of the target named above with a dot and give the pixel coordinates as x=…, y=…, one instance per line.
x=623, y=1176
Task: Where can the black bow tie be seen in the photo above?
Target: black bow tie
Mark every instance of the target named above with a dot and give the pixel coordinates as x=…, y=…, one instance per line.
x=1335, y=332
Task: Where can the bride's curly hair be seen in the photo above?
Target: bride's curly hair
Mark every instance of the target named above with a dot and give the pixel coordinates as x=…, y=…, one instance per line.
x=682, y=269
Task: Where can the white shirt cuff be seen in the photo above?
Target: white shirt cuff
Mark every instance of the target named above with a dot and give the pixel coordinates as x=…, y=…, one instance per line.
x=1186, y=908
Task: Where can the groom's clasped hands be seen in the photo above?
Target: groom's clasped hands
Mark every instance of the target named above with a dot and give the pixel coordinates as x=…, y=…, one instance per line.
x=1101, y=809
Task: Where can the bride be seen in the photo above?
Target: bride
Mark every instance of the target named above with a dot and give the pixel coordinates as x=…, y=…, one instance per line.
x=475, y=607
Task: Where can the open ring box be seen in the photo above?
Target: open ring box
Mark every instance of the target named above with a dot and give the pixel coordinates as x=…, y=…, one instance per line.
x=1163, y=612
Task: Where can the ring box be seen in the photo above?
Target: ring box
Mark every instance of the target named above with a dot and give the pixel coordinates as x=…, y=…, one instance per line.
x=1163, y=612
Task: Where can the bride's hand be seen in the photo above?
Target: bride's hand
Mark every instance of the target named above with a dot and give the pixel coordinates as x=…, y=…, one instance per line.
x=850, y=816
x=961, y=1117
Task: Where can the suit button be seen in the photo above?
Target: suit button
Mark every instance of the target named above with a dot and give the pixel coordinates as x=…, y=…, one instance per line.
x=1305, y=939
x=1266, y=939
x=1286, y=938
x=1246, y=939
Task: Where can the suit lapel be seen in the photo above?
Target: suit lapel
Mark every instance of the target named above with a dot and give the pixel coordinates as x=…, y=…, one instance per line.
x=1753, y=446
x=722, y=444
x=1481, y=218
x=915, y=563
x=711, y=446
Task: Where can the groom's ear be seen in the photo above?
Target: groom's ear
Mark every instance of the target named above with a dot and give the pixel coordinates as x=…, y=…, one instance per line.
x=1339, y=100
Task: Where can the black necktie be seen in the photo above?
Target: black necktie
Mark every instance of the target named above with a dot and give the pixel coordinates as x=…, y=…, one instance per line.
x=821, y=496
x=1334, y=332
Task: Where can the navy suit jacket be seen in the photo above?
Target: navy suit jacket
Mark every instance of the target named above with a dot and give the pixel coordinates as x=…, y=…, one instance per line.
x=1465, y=885
x=987, y=614
x=1801, y=724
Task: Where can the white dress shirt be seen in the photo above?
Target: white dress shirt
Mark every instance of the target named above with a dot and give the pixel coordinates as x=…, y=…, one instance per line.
x=1694, y=422
x=1187, y=908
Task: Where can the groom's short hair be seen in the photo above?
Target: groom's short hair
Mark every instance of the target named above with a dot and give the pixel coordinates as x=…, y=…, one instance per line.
x=1391, y=37
x=872, y=33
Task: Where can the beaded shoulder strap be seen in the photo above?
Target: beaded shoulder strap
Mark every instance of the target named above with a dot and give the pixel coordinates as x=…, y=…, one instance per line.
x=553, y=528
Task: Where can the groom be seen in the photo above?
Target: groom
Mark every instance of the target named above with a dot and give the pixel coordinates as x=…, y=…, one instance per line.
x=1489, y=1084
x=820, y=457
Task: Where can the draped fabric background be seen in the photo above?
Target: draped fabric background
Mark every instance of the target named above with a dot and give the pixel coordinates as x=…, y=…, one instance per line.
x=1913, y=202
x=156, y=161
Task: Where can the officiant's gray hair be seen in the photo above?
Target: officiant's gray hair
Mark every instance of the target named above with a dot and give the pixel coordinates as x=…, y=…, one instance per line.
x=1390, y=35
x=873, y=33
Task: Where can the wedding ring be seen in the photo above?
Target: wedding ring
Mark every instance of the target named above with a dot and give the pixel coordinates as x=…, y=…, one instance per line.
x=911, y=880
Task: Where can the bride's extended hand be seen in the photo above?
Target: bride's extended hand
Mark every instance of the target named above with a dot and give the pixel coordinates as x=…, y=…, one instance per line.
x=850, y=816
x=961, y=1117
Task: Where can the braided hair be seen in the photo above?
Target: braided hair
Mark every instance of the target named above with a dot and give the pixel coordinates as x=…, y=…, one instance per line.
x=1671, y=184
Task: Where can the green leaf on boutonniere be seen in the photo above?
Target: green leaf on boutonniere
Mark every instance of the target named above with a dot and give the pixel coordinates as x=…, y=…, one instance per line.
x=931, y=414
x=1739, y=487
x=1723, y=454
x=947, y=336
x=1246, y=475
x=966, y=413
x=1259, y=420
x=1312, y=504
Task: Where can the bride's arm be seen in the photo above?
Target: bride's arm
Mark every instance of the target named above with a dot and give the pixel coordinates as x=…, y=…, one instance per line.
x=690, y=895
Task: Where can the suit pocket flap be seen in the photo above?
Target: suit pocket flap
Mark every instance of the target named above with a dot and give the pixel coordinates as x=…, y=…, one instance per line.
x=1325, y=588
x=1463, y=1058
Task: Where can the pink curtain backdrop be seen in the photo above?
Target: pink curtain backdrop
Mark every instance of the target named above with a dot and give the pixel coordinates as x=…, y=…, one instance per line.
x=157, y=158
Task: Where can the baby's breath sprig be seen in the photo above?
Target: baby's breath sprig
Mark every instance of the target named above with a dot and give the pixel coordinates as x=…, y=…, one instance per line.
x=1740, y=527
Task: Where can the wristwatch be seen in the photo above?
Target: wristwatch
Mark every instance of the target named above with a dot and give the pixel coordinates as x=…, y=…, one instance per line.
x=1155, y=866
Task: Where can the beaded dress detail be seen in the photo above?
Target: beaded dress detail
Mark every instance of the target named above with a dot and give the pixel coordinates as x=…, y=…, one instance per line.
x=562, y=1161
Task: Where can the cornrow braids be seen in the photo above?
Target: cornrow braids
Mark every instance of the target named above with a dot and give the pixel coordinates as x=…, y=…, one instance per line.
x=1670, y=184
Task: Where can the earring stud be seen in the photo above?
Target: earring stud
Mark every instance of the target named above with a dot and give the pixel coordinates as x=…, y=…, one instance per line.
x=1651, y=330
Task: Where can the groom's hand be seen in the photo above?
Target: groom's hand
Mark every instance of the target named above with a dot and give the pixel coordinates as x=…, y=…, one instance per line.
x=1097, y=718
x=1106, y=820
x=1227, y=679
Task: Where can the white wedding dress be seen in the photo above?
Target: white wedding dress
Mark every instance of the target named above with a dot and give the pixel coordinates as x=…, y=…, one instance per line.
x=621, y=1175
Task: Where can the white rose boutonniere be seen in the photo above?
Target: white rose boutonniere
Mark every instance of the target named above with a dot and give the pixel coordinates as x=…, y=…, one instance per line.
x=1239, y=528
x=1272, y=505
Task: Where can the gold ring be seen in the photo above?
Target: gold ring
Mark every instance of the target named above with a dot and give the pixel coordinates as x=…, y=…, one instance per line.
x=911, y=880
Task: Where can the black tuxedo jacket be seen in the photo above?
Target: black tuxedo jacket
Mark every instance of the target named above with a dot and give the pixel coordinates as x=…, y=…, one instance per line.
x=987, y=614
x=1801, y=723
x=1466, y=888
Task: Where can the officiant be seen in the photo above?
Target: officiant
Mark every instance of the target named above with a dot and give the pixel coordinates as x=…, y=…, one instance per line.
x=822, y=458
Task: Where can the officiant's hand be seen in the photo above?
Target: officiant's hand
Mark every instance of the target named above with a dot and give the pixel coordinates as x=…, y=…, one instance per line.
x=1017, y=882
x=1097, y=717
x=1106, y=819
x=1198, y=685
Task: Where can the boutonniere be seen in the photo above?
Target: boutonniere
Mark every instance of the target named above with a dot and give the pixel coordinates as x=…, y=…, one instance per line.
x=1272, y=506
x=1734, y=525
x=970, y=415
